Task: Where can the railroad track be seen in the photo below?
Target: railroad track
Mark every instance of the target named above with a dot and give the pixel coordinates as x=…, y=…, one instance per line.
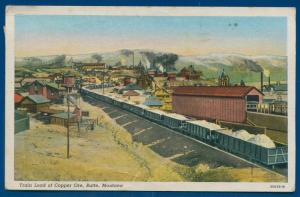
x=191, y=150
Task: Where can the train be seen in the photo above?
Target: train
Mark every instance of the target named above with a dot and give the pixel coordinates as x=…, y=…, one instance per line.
x=203, y=131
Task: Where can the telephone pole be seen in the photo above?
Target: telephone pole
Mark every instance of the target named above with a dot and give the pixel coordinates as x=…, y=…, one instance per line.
x=68, y=127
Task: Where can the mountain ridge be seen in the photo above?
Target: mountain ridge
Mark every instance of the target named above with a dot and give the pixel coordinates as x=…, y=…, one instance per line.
x=239, y=66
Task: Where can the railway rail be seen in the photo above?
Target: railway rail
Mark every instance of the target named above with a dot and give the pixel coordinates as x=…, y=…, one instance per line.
x=120, y=111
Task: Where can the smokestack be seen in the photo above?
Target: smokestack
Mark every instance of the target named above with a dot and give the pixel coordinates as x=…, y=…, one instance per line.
x=133, y=58
x=261, y=80
x=269, y=80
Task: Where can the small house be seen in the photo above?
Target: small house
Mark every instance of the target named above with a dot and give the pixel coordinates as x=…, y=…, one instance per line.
x=62, y=119
x=132, y=95
x=131, y=86
x=35, y=103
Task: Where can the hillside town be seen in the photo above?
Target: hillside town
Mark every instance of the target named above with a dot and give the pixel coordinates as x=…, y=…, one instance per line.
x=61, y=100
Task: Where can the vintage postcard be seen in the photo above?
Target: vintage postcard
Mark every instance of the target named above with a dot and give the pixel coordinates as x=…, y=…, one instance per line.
x=150, y=98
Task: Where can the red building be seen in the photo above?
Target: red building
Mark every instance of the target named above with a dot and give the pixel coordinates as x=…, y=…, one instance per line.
x=190, y=73
x=48, y=90
x=215, y=102
x=171, y=76
x=18, y=98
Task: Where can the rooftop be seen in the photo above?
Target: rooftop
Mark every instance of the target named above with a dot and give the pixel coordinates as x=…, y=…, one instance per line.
x=63, y=115
x=131, y=93
x=152, y=101
x=38, y=99
x=221, y=91
x=49, y=84
x=132, y=86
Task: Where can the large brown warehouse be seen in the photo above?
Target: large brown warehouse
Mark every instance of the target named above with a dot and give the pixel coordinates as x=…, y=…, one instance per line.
x=215, y=102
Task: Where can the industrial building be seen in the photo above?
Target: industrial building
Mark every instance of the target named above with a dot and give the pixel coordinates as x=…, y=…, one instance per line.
x=213, y=103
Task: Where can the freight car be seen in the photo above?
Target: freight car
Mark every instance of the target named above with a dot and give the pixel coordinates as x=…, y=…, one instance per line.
x=204, y=131
x=154, y=115
x=250, y=151
x=174, y=121
x=200, y=129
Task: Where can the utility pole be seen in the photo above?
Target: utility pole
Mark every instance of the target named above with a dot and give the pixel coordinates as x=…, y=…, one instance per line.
x=103, y=73
x=68, y=127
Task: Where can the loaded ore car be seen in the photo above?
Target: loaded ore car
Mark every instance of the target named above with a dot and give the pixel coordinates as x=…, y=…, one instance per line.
x=200, y=129
x=117, y=102
x=154, y=115
x=251, y=151
x=204, y=131
x=131, y=107
x=174, y=121
x=138, y=109
x=126, y=106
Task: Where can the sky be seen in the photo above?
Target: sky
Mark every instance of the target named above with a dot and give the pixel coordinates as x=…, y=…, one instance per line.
x=42, y=35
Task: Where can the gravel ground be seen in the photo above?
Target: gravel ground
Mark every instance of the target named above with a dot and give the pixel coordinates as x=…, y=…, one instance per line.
x=170, y=144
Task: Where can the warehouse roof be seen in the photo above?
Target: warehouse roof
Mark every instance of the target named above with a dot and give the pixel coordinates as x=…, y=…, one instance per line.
x=132, y=86
x=49, y=84
x=38, y=99
x=152, y=101
x=227, y=91
x=131, y=93
x=63, y=115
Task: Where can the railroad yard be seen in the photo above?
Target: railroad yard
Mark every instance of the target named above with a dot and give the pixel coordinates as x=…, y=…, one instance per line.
x=135, y=154
x=91, y=120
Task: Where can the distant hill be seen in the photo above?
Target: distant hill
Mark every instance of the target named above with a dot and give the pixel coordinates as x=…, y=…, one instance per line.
x=237, y=66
